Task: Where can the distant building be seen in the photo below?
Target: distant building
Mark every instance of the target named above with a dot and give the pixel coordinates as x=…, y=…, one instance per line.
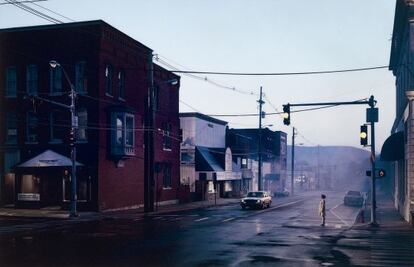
x=109, y=71
x=398, y=148
x=206, y=163
x=274, y=156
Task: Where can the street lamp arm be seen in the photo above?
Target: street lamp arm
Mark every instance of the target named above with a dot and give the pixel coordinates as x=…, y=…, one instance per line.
x=51, y=101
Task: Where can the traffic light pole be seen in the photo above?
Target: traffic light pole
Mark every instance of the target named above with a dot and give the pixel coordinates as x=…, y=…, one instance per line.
x=292, y=170
x=373, y=178
x=372, y=117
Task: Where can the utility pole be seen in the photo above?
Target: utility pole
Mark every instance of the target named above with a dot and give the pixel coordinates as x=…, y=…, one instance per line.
x=149, y=141
x=74, y=125
x=292, y=178
x=72, y=137
x=261, y=102
x=318, y=179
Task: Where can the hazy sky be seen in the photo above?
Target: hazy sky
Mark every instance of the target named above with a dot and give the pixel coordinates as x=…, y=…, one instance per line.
x=260, y=36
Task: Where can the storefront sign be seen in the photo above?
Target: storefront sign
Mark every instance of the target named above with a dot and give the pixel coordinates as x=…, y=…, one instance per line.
x=223, y=176
x=28, y=197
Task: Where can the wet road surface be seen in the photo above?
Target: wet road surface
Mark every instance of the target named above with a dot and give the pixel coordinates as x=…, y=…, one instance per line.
x=287, y=234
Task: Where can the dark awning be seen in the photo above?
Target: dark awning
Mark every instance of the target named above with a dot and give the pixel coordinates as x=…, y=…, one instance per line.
x=393, y=147
x=205, y=160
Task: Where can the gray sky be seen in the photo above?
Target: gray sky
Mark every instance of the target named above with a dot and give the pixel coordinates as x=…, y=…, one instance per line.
x=260, y=36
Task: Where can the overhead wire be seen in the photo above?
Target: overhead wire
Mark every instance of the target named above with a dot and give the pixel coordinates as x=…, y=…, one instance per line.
x=34, y=11
x=25, y=1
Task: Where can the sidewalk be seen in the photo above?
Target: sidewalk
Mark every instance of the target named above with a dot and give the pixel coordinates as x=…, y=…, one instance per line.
x=57, y=213
x=388, y=217
x=389, y=244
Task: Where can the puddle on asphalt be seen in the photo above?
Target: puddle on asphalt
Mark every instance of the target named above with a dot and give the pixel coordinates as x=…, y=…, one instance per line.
x=264, y=259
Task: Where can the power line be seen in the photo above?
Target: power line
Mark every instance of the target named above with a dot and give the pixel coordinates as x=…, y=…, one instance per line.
x=28, y=1
x=205, y=79
x=280, y=73
x=54, y=12
x=33, y=11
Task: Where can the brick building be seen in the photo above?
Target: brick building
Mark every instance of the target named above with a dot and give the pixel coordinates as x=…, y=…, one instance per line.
x=110, y=73
x=274, y=157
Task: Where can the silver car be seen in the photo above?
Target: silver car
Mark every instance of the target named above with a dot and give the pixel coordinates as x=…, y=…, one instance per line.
x=256, y=199
x=353, y=198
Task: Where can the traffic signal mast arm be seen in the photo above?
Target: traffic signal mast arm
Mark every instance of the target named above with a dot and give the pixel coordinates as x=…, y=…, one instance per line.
x=370, y=102
x=286, y=108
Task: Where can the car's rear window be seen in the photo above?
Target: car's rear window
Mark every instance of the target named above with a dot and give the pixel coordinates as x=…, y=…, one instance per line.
x=255, y=194
x=354, y=193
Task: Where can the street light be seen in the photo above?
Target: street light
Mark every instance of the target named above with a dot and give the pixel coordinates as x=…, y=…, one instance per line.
x=74, y=125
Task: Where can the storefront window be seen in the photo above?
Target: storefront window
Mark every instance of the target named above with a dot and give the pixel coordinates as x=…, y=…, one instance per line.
x=83, y=188
x=30, y=184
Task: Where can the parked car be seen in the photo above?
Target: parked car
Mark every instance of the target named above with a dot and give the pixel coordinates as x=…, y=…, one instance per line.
x=282, y=193
x=353, y=198
x=256, y=199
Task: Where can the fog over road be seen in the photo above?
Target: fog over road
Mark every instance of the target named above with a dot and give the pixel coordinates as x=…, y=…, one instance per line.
x=287, y=234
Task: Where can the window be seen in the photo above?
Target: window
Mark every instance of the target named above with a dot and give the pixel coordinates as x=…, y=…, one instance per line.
x=119, y=130
x=83, y=188
x=123, y=135
x=56, y=80
x=121, y=84
x=31, y=128
x=81, y=80
x=30, y=184
x=82, y=133
x=11, y=82
x=167, y=176
x=31, y=80
x=57, y=129
x=166, y=136
x=108, y=80
x=244, y=163
x=11, y=126
x=129, y=131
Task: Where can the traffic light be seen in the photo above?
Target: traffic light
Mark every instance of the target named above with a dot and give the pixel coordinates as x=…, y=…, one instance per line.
x=286, y=114
x=364, y=135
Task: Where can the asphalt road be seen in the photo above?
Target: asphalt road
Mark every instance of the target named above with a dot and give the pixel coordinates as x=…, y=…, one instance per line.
x=287, y=234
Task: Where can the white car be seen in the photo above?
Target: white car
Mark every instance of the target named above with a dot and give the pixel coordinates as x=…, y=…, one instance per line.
x=256, y=199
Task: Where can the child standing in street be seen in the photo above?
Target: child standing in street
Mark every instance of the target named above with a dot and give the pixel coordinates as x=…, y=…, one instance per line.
x=322, y=209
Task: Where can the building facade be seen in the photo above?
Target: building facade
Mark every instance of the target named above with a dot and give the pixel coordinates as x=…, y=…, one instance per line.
x=110, y=73
x=206, y=163
x=398, y=148
x=274, y=157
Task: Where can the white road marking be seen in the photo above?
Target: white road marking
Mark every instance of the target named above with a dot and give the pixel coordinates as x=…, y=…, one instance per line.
x=201, y=219
x=229, y=219
x=337, y=216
